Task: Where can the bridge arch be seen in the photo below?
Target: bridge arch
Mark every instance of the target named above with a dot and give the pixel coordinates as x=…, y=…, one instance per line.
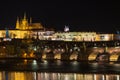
x=73, y=55
x=114, y=57
x=92, y=56
x=103, y=56
x=99, y=56
x=57, y=56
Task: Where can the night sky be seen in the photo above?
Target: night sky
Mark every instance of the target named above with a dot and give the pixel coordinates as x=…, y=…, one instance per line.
x=85, y=15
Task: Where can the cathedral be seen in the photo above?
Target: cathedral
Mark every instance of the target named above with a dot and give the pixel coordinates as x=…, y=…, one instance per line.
x=25, y=24
x=24, y=28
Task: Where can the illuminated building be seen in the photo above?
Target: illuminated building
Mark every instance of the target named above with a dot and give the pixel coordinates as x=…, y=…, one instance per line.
x=24, y=24
x=26, y=29
x=104, y=37
x=82, y=36
x=75, y=36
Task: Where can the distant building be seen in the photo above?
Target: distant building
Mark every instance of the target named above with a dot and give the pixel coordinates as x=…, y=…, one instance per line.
x=104, y=37
x=23, y=24
x=26, y=29
x=75, y=36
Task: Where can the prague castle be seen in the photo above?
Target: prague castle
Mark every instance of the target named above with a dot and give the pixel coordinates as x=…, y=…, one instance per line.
x=25, y=29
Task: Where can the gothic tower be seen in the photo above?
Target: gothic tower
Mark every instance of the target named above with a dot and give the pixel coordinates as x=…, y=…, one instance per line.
x=17, y=24
x=24, y=22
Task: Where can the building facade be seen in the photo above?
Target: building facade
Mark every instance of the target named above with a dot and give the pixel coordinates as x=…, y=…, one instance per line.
x=25, y=28
x=75, y=36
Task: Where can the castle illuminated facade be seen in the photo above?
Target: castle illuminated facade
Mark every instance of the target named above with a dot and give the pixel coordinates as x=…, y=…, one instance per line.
x=25, y=28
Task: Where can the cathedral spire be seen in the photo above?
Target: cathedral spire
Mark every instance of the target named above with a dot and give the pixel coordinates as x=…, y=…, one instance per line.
x=17, y=23
x=24, y=16
x=30, y=20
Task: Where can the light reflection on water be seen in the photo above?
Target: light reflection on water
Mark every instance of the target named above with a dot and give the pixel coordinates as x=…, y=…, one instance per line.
x=58, y=70
x=4, y=75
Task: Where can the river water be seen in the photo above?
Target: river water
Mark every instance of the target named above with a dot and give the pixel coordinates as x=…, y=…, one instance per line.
x=4, y=75
x=58, y=70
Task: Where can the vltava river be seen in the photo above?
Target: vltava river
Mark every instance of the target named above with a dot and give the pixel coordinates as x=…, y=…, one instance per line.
x=5, y=75
x=58, y=70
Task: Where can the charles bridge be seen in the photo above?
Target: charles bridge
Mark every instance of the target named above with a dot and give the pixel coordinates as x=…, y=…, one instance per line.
x=60, y=50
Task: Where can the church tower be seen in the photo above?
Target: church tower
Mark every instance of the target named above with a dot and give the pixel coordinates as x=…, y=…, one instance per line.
x=30, y=20
x=24, y=22
x=17, y=23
